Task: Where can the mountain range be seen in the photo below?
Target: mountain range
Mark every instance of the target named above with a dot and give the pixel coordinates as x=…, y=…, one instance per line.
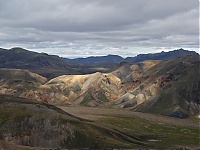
x=41, y=63
x=96, y=59
x=37, y=92
x=141, y=57
x=51, y=66
x=144, y=86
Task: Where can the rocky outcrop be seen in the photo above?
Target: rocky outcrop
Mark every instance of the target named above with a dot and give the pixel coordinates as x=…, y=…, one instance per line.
x=91, y=89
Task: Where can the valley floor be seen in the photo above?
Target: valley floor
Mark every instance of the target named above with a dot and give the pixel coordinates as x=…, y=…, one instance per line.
x=129, y=130
x=95, y=114
x=159, y=132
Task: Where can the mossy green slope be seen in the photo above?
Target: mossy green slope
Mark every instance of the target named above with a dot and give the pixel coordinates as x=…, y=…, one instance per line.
x=30, y=123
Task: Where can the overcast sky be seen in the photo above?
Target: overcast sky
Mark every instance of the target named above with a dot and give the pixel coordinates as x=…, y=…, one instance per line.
x=80, y=28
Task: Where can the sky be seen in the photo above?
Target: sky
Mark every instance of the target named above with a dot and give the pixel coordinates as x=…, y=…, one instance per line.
x=81, y=28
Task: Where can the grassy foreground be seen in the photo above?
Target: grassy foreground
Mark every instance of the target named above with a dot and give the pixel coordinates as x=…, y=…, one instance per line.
x=158, y=135
x=34, y=124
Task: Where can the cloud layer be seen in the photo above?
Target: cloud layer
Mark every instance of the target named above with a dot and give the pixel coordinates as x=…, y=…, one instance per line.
x=99, y=27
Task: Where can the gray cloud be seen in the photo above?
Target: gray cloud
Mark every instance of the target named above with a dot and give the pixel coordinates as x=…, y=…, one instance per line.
x=97, y=27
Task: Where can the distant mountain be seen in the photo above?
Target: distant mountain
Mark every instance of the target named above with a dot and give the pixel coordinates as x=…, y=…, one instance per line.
x=97, y=59
x=24, y=59
x=139, y=58
x=41, y=63
x=159, y=56
x=50, y=66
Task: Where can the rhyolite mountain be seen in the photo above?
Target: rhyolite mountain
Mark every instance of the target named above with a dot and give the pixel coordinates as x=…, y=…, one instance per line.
x=168, y=87
x=172, y=87
x=95, y=89
x=17, y=81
